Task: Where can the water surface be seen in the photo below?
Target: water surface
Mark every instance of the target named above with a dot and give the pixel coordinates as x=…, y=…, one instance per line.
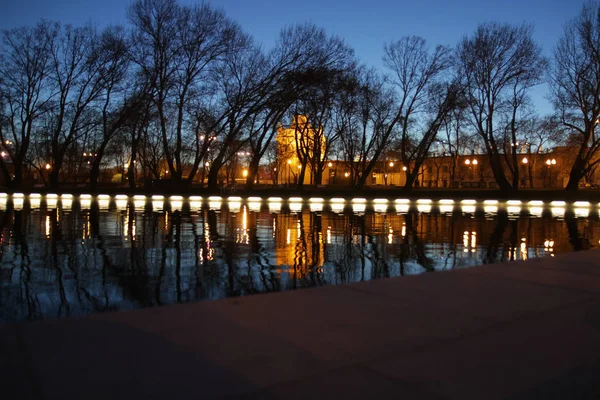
x=63, y=256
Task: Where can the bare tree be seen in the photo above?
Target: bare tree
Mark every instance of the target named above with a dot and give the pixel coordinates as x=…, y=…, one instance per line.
x=77, y=80
x=24, y=92
x=575, y=88
x=175, y=48
x=499, y=63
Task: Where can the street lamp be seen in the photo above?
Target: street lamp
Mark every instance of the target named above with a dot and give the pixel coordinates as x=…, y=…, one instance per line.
x=524, y=160
x=48, y=166
x=467, y=162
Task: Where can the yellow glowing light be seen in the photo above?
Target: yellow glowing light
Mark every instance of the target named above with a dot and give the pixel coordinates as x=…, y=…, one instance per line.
x=330, y=164
x=245, y=173
x=467, y=161
x=48, y=166
x=391, y=163
x=475, y=162
x=524, y=160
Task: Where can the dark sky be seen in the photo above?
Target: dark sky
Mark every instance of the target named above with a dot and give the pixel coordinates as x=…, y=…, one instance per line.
x=365, y=24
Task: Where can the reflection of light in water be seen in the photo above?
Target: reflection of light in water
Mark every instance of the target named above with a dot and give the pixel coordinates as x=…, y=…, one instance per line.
x=490, y=202
x=157, y=205
x=403, y=232
x=536, y=203
x=316, y=206
x=390, y=235
x=446, y=201
x=467, y=209
x=176, y=205
x=295, y=206
x=380, y=208
x=51, y=200
x=104, y=203
x=121, y=197
x=513, y=209
x=139, y=204
x=582, y=212
x=536, y=211
x=48, y=226
x=34, y=202
x=359, y=207
x=121, y=204
x=298, y=230
x=523, y=249
x=549, y=245
x=195, y=205
x=581, y=204
x=242, y=236
x=133, y=228
x=234, y=206
x=424, y=201
x=337, y=207
x=329, y=235
x=274, y=206
x=468, y=201
x=490, y=209
x=469, y=241
x=424, y=208
x=18, y=203
x=557, y=211
x=289, y=236
x=558, y=203
x=446, y=209
x=66, y=203
x=214, y=204
x=254, y=205
x=402, y=208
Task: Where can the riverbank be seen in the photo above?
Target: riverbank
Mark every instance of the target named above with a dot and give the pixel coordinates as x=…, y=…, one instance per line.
x=371, y=192
x=520, y=330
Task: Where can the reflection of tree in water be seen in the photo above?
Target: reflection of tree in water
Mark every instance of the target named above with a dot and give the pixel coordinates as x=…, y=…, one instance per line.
x=495, y=243
x=577, y=240
x=60, y=262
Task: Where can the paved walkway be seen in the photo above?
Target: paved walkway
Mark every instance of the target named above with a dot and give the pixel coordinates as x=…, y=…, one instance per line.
x=521, y=331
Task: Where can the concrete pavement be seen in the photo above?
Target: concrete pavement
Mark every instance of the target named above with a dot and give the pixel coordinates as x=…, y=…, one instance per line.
x=518, y=331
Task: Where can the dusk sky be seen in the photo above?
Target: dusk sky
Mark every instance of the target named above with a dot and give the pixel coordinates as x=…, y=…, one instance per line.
x=365, y=25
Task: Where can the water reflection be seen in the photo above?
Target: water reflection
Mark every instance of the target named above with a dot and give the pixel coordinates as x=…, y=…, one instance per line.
x=78, y=255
